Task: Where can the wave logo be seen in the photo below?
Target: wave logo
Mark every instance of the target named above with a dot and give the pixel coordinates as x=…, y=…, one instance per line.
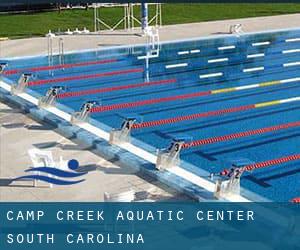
x=55, y=175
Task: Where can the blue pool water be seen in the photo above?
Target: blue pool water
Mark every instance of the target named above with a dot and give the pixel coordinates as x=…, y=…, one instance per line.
x=237, y=61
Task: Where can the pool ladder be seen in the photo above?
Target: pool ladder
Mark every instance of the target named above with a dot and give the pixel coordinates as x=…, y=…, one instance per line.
x=50, y=53
x=153, y=47
x=61, y=53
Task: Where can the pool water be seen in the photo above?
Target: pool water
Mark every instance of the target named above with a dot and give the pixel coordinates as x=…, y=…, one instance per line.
x=193, y=77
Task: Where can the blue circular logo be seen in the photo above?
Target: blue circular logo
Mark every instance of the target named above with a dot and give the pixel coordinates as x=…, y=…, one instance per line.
x=73, y=164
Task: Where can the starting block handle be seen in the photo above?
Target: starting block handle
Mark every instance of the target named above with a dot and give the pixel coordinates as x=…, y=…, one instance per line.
x=3, y=65
x=230, y=185
x=50, y=97
x=84, y=113
x=122, y=135
x=169, y=157
x=22, y=83
x=127, y=123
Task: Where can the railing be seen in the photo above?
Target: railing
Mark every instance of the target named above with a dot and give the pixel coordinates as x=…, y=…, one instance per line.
x=61, y=51
x=50, y=50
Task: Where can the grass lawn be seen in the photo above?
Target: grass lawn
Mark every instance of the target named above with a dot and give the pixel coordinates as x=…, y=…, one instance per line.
x=25, y=25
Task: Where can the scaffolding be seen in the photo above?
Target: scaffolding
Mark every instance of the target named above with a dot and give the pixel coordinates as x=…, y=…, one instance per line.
x=129, y=20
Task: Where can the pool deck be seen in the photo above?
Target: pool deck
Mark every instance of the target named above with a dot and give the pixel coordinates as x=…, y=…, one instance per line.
x=106, y=176
x=38, y=45
x=18, y=133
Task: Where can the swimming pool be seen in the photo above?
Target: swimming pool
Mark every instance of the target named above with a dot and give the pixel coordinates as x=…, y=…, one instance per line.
x=232, y=98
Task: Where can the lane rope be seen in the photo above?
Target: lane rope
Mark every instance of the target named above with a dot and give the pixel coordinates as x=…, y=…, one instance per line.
x=240, y=135
x=146, y=102
x=80, y=77
x=111, y=89
x=296, y=200
x=191, y=117
x=160, y=122
x=65, y=66
x=263, y=164
x=188, y=96
x=269, y=163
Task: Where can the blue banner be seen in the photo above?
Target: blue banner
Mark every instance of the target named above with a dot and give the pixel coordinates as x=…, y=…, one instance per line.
x=149, y=226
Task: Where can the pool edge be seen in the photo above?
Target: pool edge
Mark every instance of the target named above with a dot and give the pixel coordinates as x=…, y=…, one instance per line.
x=105, y=150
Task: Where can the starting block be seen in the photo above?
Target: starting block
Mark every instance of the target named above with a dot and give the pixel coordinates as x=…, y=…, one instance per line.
x=170, y=157
x=3, y=65
x=22, y=84
x=231, y=185
x=122, y=135
x=225, y=188
x=84, y=113
x=50, y=97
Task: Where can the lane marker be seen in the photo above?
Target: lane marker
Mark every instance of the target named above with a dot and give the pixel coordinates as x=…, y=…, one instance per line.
x=261, y=43
x=292, y=40
x=294, y=99
x=183, y=52
x=178, y=65
x=291, y=80
x=291, y=64
x=256, y=55
x=290, y=51
x=147, y=56
x=226, y=47
x=211, y=75
x=218, y=60
x=194, y=51
x=253, y=69
x=186, y=52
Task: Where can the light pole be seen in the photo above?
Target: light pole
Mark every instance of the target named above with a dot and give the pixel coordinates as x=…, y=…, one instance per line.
x=144, y=14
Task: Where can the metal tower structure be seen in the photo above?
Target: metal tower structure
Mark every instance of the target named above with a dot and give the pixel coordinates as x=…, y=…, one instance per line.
x=129, y=20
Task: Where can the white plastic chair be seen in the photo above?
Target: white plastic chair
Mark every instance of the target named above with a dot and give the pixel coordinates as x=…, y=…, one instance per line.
x=40, y=158
x=128, y=196
x=69, y=32
x=50, y=34
x=77, y=31
x=85, y=31
x=236, y=29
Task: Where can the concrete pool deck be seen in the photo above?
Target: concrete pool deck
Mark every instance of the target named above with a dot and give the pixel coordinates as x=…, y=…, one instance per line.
x=108, y=177
x=19, y=133
x=38, y=45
